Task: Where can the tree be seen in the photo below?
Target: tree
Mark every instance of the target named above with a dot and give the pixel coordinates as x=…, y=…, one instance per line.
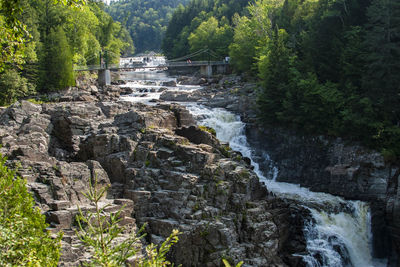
x=274, y=66
x=243, y=49
x=383, y=59
x=146, y=21
x=186, y=21
x=23, y=238
x=210, y=35
x=251, y=34
x=14, y=33
x=13, y=86
x=57, y=61
x=102, y=234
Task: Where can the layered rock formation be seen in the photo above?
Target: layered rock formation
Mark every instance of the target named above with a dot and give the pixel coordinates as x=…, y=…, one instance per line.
x=319, y=163
x=162, y=169
x=341, y=169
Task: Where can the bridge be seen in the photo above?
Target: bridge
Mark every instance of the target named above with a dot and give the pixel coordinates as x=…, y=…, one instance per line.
x=206, y=67
x=116, y=67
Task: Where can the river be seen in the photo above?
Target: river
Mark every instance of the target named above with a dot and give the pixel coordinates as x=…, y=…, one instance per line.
x=339, y=233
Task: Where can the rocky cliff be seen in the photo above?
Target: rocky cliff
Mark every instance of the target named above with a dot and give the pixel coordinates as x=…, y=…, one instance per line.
x=319, y=163
x=164, y=170
x=338, y=168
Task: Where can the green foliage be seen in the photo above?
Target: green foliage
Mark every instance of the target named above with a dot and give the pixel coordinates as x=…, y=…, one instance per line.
x=157, y=257
x=103, y=235
x=57, y=34
x=210, y=35
x=23, y=239
x=382, y=43
x=243, y=48
x=192, y=20
x=326, y=66
x=252, y=35
x=13, y=86
x=98, y=232
x=227, y=264
x=146, y=21
x=14, y=34
x=58, y=72
x=208, y=129
x=12, y=43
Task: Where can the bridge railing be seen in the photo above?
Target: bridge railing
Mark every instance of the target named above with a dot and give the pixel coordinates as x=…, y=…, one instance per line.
x=89, y=67
x=96, y=67
x=193, y=63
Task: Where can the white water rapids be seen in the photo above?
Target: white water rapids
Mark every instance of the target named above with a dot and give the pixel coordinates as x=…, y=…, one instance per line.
x=339, y=233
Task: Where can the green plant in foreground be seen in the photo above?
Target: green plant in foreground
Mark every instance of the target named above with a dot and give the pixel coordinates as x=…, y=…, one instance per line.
x=227, y=264
x=23, y=239
x=100, y=232
x=157, y=258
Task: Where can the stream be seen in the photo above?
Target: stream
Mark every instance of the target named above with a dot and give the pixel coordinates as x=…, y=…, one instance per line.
x=339, y=233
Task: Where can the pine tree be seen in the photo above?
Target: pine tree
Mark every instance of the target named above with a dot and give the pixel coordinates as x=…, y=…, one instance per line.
x=382, y=78
x=57, y=71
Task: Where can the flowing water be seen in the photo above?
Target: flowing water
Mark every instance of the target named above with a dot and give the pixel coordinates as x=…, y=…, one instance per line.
x=149, y=85
x=339, y=233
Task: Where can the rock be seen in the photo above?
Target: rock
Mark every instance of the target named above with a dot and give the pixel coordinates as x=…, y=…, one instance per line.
x=126, y=90
x=59, y=205
x=191, y=80
x=169, y=84
x=197, y=135
x=93, y=89
x=118, y=82
x=86, y=98
x=62, y=219
x=329, y=165
x=178, y=96
x=167, y=180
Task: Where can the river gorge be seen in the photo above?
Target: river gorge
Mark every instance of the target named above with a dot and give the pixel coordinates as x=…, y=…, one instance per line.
x=337, y=234
x=239, y=194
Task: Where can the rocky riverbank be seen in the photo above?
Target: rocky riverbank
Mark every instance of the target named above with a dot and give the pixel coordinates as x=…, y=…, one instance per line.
x=166, y=171
x=319, y=163
x=171, y=174
x=322, y=164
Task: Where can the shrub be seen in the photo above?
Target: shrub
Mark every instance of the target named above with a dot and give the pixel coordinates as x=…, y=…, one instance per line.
x=23, y=239
x=100, y=233
x=13, y=86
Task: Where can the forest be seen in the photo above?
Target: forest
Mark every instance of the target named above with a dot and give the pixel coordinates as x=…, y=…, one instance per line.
x=326, y=67
x=43, y=39
x=146, y=20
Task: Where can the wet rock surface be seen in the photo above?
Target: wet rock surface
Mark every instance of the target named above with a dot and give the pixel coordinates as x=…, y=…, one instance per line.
x=167, y=172
x=319, y=163
x=346, y=170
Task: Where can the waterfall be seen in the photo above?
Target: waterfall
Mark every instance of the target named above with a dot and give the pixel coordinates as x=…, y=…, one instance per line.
x=338, y=235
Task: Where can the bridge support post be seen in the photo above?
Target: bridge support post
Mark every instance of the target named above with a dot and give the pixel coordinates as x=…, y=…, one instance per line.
x=104, y=77
x=206, y=70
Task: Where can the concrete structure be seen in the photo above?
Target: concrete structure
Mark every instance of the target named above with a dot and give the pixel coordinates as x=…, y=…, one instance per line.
x=104, y=77
x=206, y=70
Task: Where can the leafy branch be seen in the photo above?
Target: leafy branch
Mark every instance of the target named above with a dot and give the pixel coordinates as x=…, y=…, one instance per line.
x=102, y=233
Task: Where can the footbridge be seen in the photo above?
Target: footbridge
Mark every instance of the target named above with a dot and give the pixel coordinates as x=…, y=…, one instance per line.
x=207, y=68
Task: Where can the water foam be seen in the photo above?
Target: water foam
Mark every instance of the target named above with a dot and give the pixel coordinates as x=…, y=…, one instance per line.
x=339, y=233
